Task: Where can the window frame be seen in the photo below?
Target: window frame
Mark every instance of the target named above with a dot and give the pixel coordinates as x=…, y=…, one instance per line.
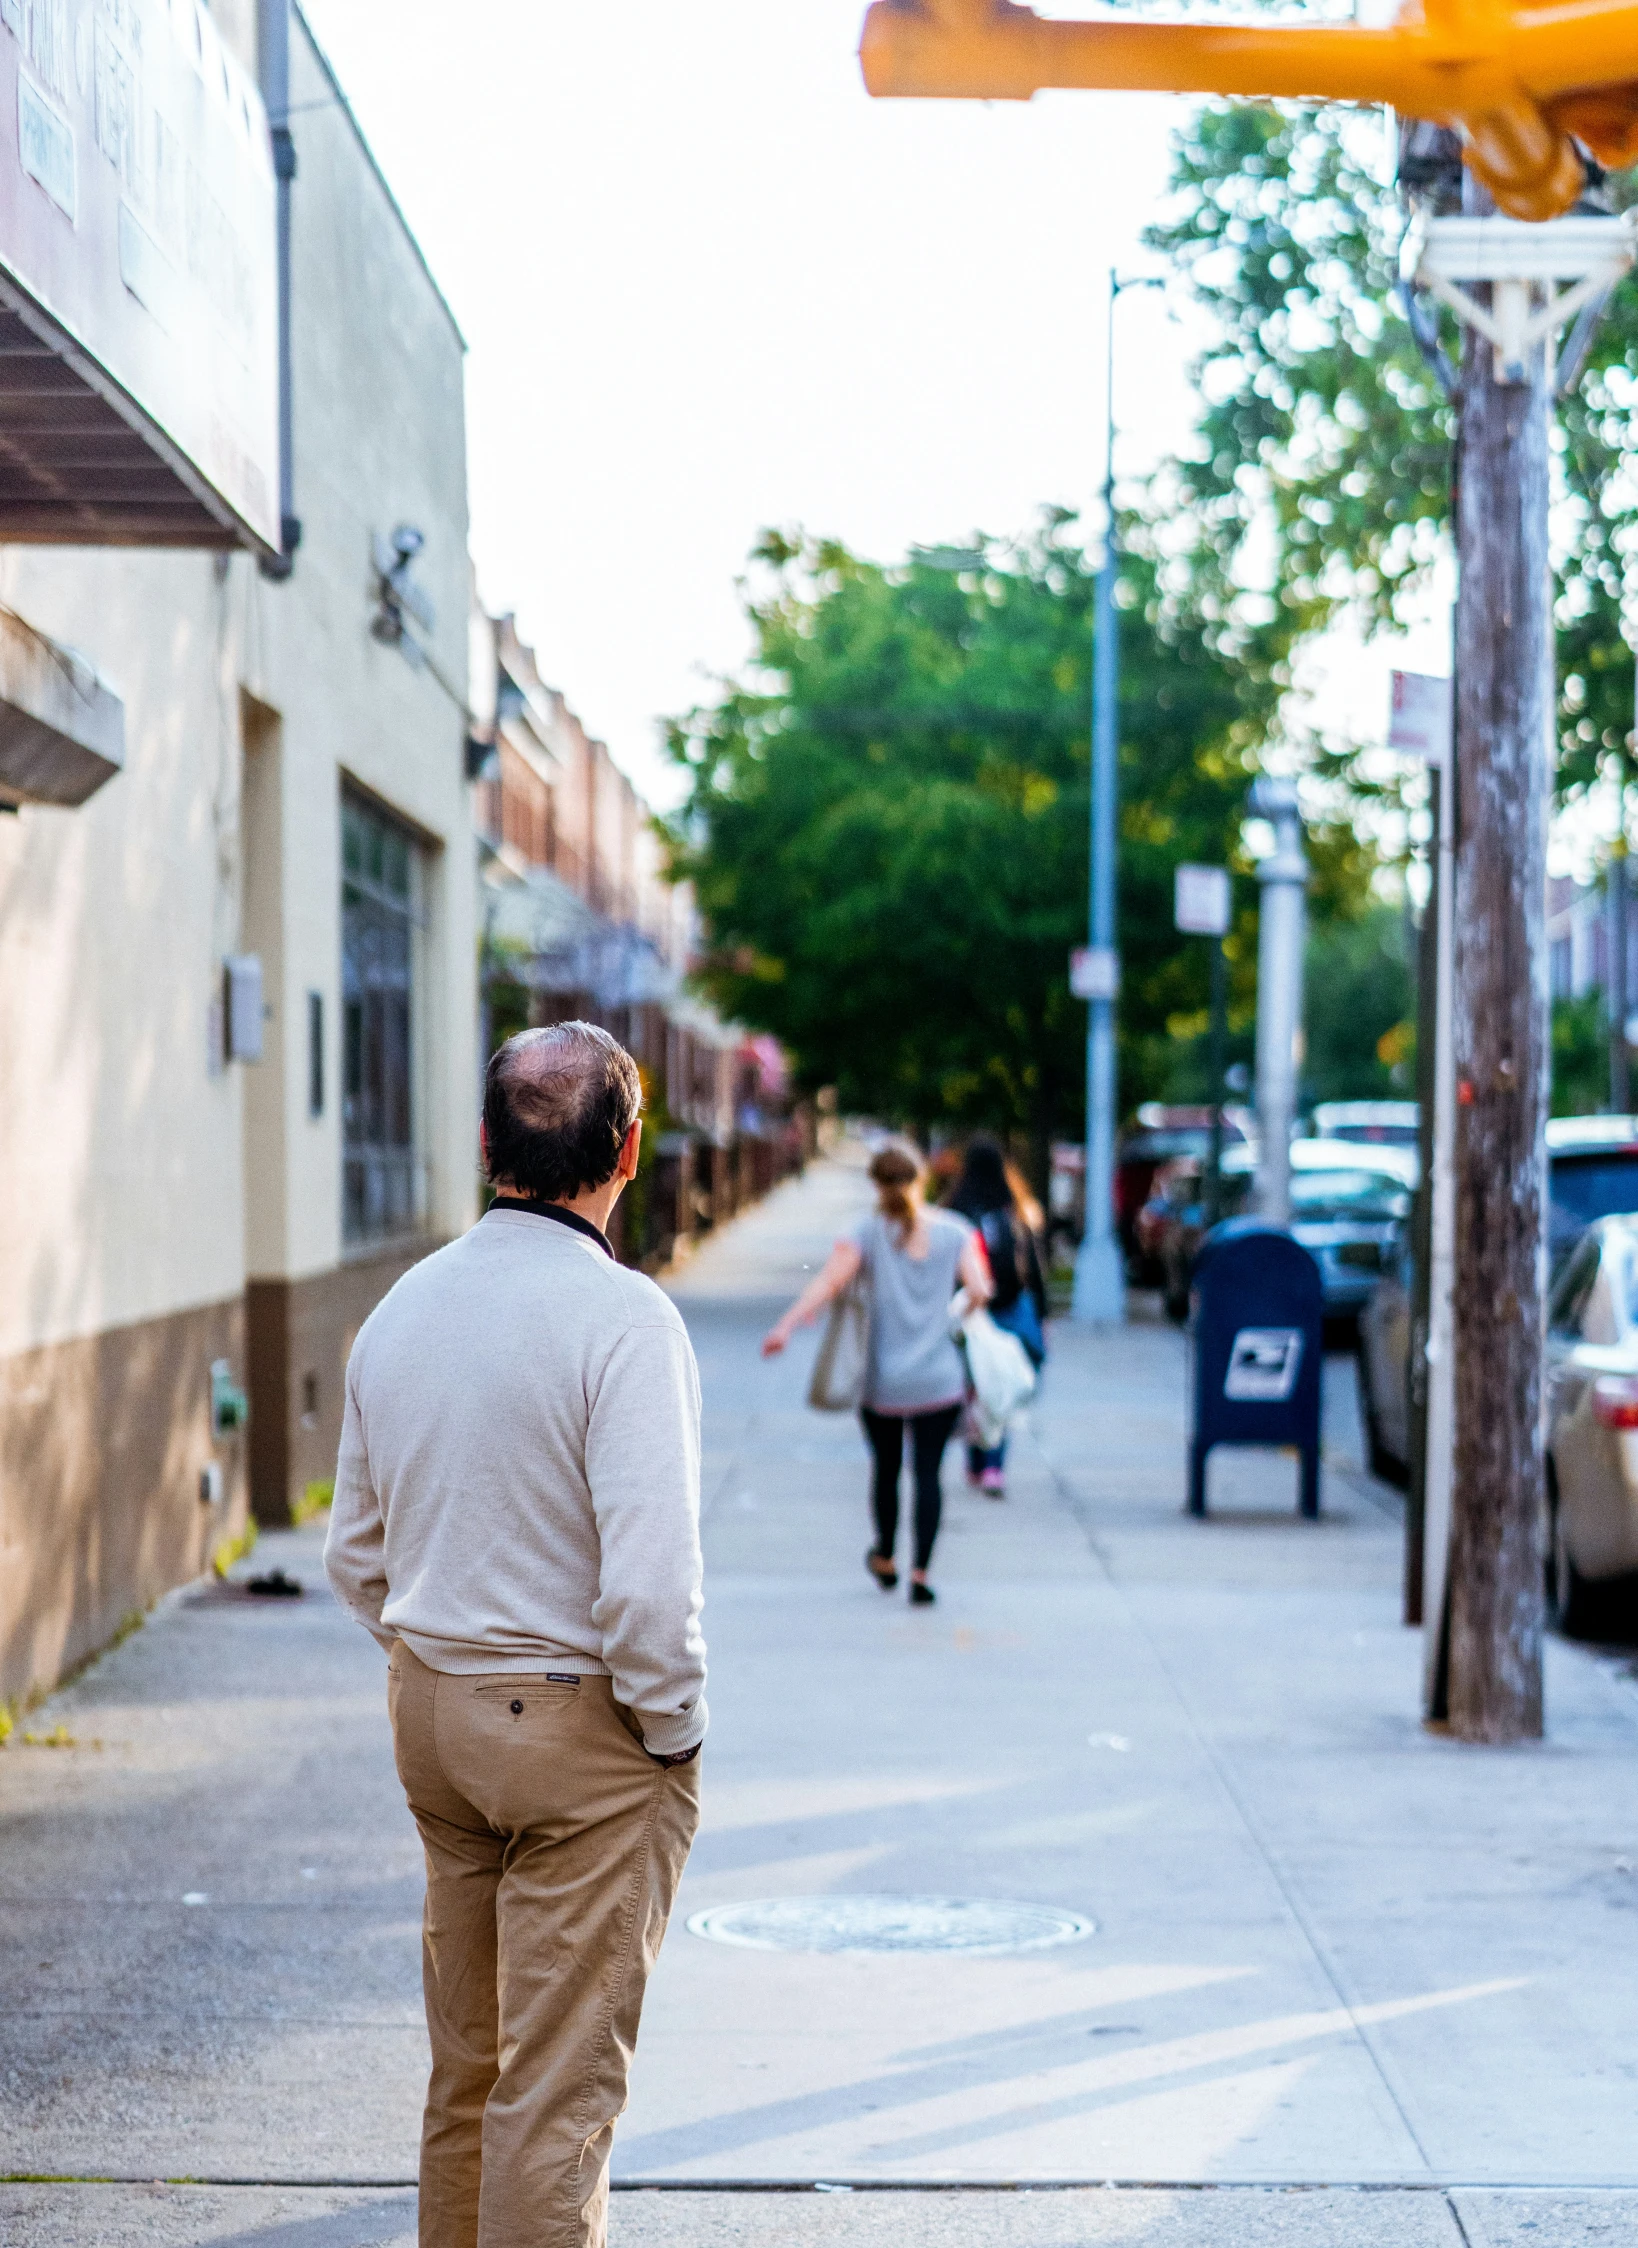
x=383, y=1164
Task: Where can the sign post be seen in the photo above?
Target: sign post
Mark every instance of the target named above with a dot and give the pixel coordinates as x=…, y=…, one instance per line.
x=1420, y=726
x=1202, y=906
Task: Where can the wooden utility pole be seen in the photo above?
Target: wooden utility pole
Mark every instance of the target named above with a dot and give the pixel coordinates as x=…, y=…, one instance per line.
x=1504, y=703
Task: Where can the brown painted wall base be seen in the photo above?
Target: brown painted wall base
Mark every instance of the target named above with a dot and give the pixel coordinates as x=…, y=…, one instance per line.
x=103, y=1442
x=299, y=1333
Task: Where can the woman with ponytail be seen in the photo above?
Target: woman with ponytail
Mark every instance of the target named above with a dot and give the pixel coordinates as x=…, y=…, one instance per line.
x=915, y=1260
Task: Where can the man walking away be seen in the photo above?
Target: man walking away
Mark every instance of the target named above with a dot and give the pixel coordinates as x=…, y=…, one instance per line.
x=516, y=1519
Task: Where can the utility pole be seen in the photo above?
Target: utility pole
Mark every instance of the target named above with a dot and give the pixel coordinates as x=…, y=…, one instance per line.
x=1504, y=706
x=1283, y=876
x=1100, y=1282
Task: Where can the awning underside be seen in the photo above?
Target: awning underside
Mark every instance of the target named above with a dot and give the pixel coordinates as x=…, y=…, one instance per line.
x=73, y=470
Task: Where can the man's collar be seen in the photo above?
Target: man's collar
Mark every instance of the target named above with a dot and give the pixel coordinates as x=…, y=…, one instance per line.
x=559, y=1216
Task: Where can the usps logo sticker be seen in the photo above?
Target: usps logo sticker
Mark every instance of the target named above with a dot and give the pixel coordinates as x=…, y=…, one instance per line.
x=1262, y=1367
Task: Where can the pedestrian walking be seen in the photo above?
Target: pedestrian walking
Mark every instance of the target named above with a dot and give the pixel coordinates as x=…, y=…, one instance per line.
x=987, y=1195
x=912, y=1261
x=516, y=1519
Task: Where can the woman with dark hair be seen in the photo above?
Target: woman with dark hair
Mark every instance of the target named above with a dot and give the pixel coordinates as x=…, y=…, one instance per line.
x=984, y=1195
x=915, y=1260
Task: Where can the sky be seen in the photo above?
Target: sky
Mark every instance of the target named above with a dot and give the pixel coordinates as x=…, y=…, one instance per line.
x=708, y=285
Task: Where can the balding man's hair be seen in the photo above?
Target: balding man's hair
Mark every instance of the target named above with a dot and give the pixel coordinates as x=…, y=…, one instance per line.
x=557, y=1105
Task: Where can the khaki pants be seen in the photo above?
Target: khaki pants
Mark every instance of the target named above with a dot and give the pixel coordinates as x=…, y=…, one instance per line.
x=554, y=1847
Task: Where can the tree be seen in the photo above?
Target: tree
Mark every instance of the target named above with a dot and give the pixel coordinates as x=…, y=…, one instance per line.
x=1361, y=1038
x=887, y=823
x=1326, y=433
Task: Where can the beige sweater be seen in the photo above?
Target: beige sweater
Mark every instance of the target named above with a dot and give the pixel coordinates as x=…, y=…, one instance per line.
x=519, y=1480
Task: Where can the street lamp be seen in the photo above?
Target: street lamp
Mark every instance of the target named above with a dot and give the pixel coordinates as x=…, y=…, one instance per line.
x=1100, y=1289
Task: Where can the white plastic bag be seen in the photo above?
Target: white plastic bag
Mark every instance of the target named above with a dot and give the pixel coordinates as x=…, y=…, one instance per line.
x=998, y=1367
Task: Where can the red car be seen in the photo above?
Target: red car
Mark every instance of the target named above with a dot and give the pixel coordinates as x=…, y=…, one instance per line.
x=1160, y=1138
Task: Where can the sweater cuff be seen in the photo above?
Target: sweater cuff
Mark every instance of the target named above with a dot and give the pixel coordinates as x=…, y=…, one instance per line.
x=669, y=1736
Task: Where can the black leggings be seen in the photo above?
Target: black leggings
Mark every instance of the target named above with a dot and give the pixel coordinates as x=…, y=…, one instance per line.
x=929, y=1433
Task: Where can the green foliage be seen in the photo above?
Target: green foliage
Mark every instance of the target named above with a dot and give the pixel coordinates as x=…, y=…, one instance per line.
x=1580, y=1055
x=1360, y=1009
x=316, y=1498
x=887, y=826
x=1323, y=423
x=227, y=1551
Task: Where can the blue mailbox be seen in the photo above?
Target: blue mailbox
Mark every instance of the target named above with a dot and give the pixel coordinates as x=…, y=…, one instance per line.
x=1258, y=1336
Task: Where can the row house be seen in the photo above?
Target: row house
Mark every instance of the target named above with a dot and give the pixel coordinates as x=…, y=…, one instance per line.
x=1580, y=932
x=580, y=920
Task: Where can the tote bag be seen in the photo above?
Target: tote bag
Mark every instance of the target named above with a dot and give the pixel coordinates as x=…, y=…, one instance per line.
x=838, y=1380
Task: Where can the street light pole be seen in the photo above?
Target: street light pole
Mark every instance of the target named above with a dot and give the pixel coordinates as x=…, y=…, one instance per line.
x=1100, y=1286
x=1284, y=879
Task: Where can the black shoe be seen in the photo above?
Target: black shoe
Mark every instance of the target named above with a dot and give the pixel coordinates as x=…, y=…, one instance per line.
x=882, y=1569
x=921, y=1596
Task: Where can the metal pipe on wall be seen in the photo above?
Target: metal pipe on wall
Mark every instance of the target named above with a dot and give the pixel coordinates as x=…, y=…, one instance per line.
x=273, y=70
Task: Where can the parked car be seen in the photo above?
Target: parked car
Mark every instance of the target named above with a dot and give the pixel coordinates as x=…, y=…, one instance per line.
x=1592, y=1420
x=1160, y=1139
x=1592, y=1173
x=1348, y=1203
x=1383, y=1347
x=1372, y=1123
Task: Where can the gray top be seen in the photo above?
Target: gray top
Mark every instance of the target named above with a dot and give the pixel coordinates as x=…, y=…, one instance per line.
x=914, y=1366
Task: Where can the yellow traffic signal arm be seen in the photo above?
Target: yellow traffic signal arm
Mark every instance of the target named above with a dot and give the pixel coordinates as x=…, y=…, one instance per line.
x=1520, y=84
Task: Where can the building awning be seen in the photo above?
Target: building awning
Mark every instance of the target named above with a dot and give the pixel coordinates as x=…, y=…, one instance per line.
x=138, y=284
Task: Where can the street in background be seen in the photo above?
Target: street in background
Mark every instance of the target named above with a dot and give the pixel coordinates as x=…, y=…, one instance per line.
x=1347, y=1205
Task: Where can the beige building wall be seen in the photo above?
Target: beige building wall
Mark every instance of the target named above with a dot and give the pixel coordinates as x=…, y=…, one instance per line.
x=159, y=1209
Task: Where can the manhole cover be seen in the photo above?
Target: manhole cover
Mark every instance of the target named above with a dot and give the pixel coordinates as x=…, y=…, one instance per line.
x=978, y=1927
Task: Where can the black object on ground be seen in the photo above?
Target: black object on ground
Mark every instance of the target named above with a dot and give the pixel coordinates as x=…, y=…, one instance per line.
x=274, y=1586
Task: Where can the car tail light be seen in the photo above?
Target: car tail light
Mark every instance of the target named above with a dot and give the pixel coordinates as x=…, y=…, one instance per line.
x=1615, y=1400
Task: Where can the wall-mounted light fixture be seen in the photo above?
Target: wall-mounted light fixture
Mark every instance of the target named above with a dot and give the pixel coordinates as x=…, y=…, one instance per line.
x=399, y=601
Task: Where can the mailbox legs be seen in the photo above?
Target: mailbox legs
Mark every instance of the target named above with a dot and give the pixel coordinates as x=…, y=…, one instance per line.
x=1307, y=1495
x=1308, y=1499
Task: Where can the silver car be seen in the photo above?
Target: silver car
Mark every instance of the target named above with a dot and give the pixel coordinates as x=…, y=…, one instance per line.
x=1592, y=1419
x=1592, y=1172
x=1384, y=1347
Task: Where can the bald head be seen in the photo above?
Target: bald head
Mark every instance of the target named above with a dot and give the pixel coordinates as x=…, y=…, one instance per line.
x=557, y=1106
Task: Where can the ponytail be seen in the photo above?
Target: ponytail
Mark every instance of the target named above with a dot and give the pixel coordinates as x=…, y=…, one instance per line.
x=894, y=1172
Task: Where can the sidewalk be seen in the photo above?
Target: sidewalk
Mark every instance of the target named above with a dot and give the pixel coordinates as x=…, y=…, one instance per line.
x=1349, y=1983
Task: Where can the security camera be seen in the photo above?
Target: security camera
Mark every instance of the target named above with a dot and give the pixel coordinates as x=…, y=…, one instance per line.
x=407, y=542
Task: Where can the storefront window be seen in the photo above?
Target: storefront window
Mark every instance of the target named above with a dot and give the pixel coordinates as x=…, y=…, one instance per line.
x=380, y=929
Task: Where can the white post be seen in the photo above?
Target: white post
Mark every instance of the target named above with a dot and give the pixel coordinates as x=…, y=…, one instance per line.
x=1284, y=879
x=1441, y=1252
